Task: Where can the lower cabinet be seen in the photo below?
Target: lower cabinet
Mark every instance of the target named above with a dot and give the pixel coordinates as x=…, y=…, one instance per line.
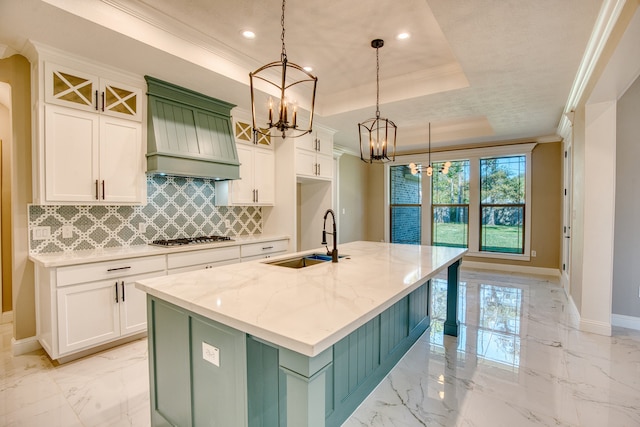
x=87, y=305
x=202, y=259
x=253, y=251
x=94, y=313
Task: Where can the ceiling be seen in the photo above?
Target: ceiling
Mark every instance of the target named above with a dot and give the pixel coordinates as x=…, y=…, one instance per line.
x=479, y=70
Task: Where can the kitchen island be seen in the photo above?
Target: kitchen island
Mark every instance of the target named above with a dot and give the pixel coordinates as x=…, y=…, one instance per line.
x=262, y=344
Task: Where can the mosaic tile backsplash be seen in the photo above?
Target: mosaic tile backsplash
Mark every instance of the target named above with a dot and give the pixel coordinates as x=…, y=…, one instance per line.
x=176, y=207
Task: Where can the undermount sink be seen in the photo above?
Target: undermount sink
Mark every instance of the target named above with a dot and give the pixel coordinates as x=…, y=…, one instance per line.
x=302, y=261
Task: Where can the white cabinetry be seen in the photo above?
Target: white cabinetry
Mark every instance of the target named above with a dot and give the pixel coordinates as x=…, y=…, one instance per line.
x=89, y=146
x=314, y=155
x=91, y=158
x=202, y=259
x=267, y=249
x=86, y=305
x=256, y=186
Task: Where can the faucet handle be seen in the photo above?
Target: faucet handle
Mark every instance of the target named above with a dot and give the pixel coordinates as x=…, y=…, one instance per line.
x=324, y=238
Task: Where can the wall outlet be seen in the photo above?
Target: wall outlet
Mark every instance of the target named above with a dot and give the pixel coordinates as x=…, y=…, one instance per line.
x=211, y=354
x=67, y=231
x=227, y=223
x=142, y=227
x=533, y=253
x=41, y=233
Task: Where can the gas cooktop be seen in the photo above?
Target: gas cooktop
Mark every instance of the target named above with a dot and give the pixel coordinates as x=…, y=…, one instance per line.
x=191, y=240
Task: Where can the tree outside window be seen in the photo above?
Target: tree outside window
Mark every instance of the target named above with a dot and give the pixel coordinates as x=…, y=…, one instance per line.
x=502, y=204
x=450, y=205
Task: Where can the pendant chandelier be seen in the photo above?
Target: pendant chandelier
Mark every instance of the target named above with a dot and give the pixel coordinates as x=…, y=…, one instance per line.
x=377, y=135
x=416, y=169
x=294, y=85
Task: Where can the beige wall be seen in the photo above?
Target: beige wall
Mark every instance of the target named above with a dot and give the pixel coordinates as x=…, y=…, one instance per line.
x=577, y=223
x=352, y=199
x=15, y=71
x=5, y=206
x=375, y=203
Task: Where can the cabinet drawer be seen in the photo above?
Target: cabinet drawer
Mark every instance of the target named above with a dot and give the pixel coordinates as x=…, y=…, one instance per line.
x=205, y=256
x=253, y=249
x=109, y=269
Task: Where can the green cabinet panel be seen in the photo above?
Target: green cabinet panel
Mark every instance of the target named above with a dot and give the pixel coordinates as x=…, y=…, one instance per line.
x=190, y=386
x=263, y=388
x=394, y=327
x=170, y=367
x=218, y=391
x=418, y=306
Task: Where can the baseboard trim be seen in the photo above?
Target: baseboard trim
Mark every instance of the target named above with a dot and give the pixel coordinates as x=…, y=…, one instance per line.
x=572, y=306
x=23, y=346
x=595, y=327
x=7, y=317
x=623, y=321
x=540, y=271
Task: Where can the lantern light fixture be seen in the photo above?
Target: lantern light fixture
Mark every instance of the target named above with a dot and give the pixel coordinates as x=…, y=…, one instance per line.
x=294, y=85
x=377, y=135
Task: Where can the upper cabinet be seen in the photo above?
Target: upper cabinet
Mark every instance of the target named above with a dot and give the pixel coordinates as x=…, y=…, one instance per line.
x=90, y=141
x=84, y=91
x=314, y=155
x=256, y=186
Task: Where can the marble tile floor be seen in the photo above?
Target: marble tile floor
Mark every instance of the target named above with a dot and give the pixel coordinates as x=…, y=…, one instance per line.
x=519, y=361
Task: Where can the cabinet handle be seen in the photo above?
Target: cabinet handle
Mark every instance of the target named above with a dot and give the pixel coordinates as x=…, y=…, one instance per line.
x=267, y=247
x=96, y=100
x=97, y=195
x=103, y=189
x=254, y=195
x=318, y=169
x=102, y=101
x=319, y=146
x=257, y=196
x=118, y=268
x=117, y=293
x=122, y=284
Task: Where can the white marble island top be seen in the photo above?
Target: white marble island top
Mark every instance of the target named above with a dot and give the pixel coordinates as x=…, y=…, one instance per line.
x=306, y=310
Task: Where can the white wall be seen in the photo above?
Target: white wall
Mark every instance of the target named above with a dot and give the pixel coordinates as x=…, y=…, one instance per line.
x=626, y=261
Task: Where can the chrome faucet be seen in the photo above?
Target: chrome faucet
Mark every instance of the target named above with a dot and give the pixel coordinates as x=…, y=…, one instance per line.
x=334, y=252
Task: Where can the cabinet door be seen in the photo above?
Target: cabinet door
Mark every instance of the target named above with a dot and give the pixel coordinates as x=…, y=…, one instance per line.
x=325, y=142
x=120, y=100
x=87, y=315
x=243, y=188
x=70, y=88
x=133, y=304
x=121, y=169
x=265, y=176
x=306, y=163
x=307, y=142
x=71, y=160
x=325, y=166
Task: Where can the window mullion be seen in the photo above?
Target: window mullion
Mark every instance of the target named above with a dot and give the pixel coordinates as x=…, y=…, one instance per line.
x=474, y=204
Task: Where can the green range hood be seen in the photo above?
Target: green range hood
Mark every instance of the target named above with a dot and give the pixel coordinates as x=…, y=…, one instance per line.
x=189, y=134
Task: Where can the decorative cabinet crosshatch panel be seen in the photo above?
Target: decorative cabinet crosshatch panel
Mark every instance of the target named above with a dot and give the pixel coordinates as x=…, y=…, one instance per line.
x=85, y=91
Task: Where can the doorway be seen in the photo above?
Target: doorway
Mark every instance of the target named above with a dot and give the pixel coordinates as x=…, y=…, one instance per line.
x=567, y=217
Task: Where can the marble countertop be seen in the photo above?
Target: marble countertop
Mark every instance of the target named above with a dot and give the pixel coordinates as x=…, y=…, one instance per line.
x=61, y=259
x=308, y=309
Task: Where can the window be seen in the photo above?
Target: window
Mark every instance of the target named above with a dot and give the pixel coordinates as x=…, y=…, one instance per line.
x=502, y=203
x=405, y=206
x=450, y=205
x=483, y=203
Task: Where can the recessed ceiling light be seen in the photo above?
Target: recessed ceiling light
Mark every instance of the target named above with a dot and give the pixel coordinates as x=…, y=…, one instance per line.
x=307, y=69
x=248, y=34
x=403, y=36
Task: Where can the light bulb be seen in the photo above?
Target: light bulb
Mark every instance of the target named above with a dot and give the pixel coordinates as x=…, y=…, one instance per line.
x=412, y=165
x=429, y=171
x=447, y=164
